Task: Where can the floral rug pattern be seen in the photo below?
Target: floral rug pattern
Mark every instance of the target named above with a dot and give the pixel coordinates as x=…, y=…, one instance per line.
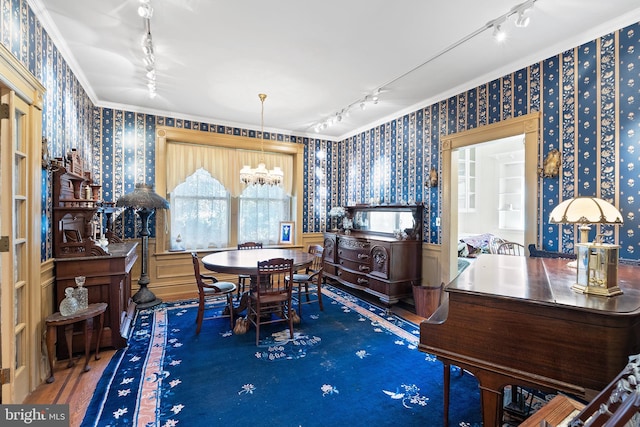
x=147, y=385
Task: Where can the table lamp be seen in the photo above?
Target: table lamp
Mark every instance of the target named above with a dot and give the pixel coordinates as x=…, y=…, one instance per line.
x=597, y=262
x=144, y=201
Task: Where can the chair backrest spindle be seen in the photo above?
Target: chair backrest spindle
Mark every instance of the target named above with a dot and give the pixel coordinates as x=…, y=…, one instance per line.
x=511, y=248
x=273, y=276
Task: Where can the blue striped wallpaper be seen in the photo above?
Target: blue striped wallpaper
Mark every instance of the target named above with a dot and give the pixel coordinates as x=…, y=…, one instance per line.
x=589, y=99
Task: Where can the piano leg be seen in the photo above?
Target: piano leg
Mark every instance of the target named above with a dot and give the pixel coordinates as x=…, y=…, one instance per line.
x=447, y=383
x=491, y=392
x=491, y=401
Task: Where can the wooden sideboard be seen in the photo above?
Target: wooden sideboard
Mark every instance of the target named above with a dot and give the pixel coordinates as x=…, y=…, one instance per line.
x=375, y=255
x=108, y=279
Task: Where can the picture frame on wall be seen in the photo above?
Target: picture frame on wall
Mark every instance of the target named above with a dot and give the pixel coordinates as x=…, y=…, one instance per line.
x=286, y=232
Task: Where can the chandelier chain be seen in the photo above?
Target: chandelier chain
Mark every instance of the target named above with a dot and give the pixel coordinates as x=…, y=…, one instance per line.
x=262, y=97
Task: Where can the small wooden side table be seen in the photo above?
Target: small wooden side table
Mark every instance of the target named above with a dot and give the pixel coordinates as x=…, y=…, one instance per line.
x=87, y=315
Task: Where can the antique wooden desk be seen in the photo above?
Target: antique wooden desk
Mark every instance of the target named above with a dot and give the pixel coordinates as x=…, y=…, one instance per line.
x=515, y=320
x=87, y=315
x=108, y=279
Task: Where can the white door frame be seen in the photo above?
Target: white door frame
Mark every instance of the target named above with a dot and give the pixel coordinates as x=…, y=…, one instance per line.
x=529, y=125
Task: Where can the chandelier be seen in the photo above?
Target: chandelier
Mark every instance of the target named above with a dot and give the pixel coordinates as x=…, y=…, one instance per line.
x=261, y=175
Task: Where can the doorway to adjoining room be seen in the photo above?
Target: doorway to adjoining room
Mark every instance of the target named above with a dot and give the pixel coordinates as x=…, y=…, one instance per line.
x=490, y=194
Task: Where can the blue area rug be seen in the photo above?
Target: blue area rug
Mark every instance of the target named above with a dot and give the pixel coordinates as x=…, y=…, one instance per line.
x=351, y=364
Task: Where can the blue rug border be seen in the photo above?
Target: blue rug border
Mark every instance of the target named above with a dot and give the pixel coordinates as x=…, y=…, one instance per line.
x=103, y=384
x=109, y=372
x=392, y=322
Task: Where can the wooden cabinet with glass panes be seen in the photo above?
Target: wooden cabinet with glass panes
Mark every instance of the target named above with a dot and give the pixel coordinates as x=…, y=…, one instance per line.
x=467, y=180
x=106, y=269
x=74, y=210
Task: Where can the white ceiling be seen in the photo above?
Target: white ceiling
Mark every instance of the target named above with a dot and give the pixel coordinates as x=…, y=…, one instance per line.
x=312, y=59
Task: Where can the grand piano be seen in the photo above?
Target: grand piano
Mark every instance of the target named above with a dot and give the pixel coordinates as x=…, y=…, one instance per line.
x=515, y=321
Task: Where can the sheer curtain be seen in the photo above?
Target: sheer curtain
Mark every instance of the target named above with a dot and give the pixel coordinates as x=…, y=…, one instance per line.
x=261, y=210
x=223, y=164
x=200, y=213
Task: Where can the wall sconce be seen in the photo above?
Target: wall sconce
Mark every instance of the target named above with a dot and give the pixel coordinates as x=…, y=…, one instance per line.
x=551, y=165
x=433, y=178
x=597, y=262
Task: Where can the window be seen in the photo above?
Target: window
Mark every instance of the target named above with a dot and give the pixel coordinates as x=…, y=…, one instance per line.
x=181, y=152
x=260, y=211
x=200, y=213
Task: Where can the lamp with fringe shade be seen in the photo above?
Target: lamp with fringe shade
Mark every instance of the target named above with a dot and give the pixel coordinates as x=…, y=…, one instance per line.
x=144, y=201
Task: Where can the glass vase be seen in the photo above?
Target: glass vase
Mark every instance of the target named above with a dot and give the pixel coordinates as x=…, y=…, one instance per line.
x=69, y=304
x=81, y=294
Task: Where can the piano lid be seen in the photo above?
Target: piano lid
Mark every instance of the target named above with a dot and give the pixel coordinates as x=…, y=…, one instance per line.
x=543, y=280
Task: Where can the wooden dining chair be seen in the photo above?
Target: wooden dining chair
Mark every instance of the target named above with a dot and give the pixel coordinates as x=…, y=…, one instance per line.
x=242, y=278
x=494, y=244
x=270, y=297
x=511, y=248
x=311, y=279
x=211, y=289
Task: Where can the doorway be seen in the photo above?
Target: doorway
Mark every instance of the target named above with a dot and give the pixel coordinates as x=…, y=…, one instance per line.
x=491, y=189
x=529, y=126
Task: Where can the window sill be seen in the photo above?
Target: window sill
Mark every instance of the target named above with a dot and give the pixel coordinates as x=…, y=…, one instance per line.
x=203, y=252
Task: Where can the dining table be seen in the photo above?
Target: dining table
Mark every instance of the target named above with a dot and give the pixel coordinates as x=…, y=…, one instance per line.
x=246, y=261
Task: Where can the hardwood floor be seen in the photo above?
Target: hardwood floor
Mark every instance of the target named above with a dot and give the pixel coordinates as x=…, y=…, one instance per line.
x=75, y=388
x=72, y=386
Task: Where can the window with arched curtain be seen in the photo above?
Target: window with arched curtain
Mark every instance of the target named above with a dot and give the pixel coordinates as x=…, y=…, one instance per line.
x=200, y=211
x=223, y=163
x=181, y=152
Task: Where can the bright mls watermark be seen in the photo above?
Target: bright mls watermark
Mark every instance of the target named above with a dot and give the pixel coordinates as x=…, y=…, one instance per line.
x=34, y=415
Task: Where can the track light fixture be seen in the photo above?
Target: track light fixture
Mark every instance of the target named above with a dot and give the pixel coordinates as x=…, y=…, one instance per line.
x=149, y=59
x=346, y=112
x=376, y=95
x=498, y=33
x=522, y=20
x=497, y=24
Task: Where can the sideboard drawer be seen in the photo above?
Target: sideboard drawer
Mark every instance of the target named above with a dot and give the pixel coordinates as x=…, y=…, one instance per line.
x=329, y=269
x=397, y=289
x=356, y=266
x=359, y=280
x=354, y=249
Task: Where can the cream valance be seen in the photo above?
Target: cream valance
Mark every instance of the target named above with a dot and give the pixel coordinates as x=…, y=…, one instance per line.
x=224, y=164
